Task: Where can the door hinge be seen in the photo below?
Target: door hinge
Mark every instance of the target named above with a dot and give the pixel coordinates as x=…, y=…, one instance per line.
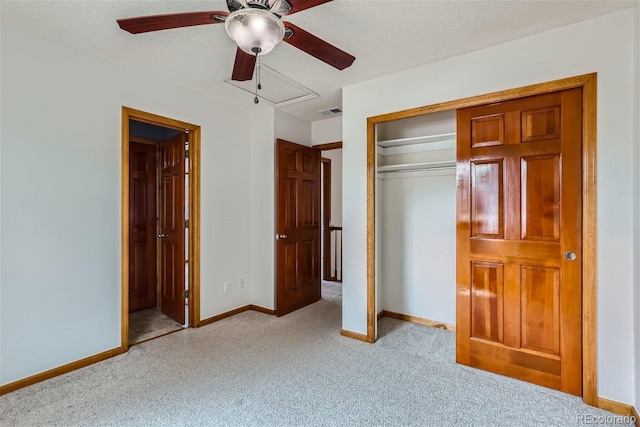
x=186, y=153
x=186, y=293
x=186, y=223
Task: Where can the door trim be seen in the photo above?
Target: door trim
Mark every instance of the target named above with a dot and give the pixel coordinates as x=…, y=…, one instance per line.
x=588, y=83
x=328, y=146
x=194, y=216
x=325, y=236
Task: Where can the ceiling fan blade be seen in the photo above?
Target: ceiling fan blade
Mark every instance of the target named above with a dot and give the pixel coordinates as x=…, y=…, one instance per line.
x=145, y=24
x=316, y=47
x=298, y=5
x=243, y=66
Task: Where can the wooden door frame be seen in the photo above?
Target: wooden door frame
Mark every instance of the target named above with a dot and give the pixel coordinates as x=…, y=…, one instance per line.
x=588, y=83
x=194, y=216
x=325, y=165
x=337, y=145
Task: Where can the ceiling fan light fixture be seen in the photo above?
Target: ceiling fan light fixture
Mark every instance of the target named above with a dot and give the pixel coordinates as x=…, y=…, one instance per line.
x=254, y=28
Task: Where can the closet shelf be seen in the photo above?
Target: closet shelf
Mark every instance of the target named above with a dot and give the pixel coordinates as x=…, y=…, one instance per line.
x=417, y=140
x=410, y=167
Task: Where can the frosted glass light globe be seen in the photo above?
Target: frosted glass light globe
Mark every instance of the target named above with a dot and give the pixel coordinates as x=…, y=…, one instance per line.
x=254, y=29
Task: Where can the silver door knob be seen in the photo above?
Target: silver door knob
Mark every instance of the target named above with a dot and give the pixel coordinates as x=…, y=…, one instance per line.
x=570, y=256
x=281, y=236
x=162, y=236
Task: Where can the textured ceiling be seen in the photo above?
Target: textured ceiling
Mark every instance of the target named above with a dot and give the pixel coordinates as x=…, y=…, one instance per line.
x=384, y=36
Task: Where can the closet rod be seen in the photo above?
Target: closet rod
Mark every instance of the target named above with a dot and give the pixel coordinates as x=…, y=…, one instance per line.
x=409, y=167
x=418, y=169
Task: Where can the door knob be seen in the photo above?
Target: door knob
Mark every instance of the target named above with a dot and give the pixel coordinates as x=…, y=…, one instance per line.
x=570, y=256
x=162, y=236
x=281, y=236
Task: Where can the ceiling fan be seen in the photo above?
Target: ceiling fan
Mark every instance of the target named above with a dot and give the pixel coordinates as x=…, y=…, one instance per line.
x=255, y=26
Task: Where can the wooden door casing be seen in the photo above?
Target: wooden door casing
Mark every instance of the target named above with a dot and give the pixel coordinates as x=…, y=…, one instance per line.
x=326, y=218
x=172, y=227
x=142, y=226
x=297, y=218
x=519, y=309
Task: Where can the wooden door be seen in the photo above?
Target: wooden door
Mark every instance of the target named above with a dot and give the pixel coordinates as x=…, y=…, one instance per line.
x=297, y=226
x=142, y=226
x=172, y=227
x=519, y=225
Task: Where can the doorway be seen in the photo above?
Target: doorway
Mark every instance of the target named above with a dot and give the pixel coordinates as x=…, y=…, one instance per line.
x=157, y=263
x=331, y=220
x=160, y=226
x=587, y=85
x=299, y=220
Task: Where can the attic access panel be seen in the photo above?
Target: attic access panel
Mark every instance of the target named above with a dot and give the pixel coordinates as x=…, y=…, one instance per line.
x=277, y=88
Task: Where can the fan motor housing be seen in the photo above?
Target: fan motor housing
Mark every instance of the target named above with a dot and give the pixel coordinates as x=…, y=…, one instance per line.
x=234, y=5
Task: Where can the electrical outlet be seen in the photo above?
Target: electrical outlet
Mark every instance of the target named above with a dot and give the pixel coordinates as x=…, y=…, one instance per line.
x=242, y=283
x=227, y=285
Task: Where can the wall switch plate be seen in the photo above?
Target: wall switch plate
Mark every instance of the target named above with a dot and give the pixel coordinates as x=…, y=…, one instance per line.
x=242, y=283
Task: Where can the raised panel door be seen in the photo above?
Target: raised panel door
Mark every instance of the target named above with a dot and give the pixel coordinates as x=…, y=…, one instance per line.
x=519, y=209
x=142, y=226
x=172, y=227
x=297, y=226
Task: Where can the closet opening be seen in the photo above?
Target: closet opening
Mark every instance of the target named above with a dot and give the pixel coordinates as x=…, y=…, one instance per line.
x=416, y=219
x=521, y=153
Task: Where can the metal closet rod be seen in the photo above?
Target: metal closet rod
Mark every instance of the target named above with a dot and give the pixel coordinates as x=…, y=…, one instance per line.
x=419, y=169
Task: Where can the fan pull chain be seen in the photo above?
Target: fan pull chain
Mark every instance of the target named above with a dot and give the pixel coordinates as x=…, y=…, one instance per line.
x=257, y=51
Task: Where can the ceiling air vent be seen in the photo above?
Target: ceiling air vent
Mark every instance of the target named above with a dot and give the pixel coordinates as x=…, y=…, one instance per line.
x=330, y=111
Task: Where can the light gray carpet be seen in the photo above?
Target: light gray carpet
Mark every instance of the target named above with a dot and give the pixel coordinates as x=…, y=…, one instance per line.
x=258, y=370
x=332, y=291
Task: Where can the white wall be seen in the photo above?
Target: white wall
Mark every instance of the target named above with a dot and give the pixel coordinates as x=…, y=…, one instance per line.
x=326, y=131
x=604, y=45
x=1, y=323
x=262, y=209
x=637, y=205
x=292, y=128
x=60, y=192
x=417, y=244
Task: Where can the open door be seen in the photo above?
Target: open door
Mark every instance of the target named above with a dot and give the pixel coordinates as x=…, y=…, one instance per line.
x=172, y=227
x=297, y=226
x=519, y=296
x=142, y=226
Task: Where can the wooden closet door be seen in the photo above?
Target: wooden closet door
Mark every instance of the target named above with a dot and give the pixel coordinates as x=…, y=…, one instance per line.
x=519, y=310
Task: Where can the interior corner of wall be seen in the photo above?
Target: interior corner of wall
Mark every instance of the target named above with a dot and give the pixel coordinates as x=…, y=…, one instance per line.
x=637, y=205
